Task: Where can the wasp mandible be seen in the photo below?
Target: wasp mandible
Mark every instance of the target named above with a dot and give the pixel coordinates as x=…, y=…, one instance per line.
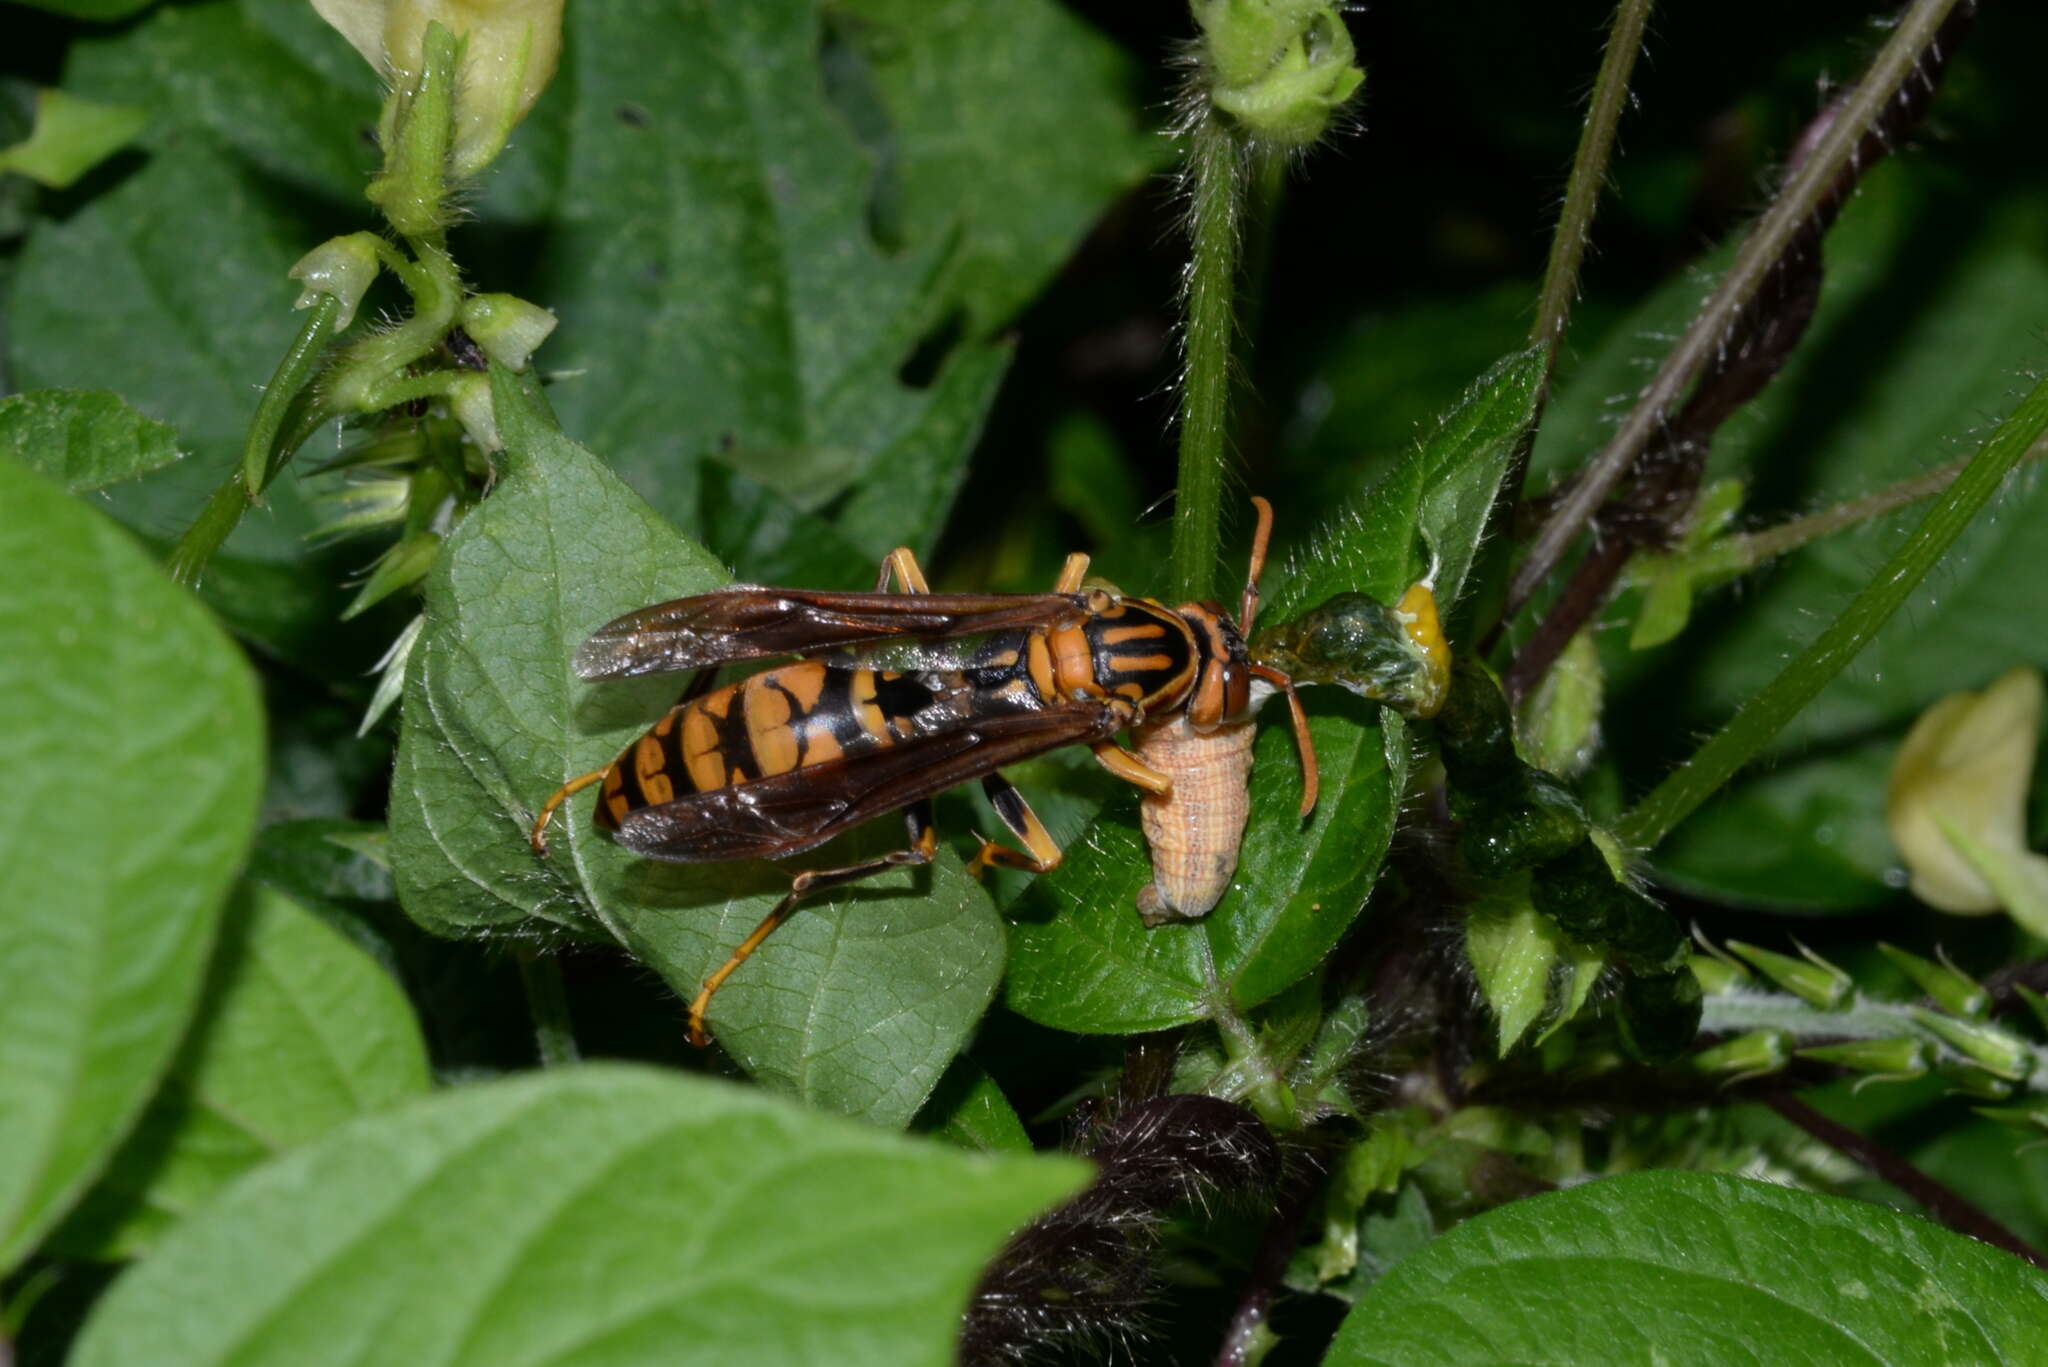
x=898, y=696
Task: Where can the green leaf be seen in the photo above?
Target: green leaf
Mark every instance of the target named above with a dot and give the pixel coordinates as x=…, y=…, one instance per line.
x=298, y=1032
x=1079, y=957
x=1859, y=407
x=267, y=78
x=970, y=1110
x=71, y=137
x=856, y=1005
x=92, y=9
x=1524, y=965
x=83, y=439
x=720, y=290
x=173, y=280
x=1688, y=1267
x=132, y=743
x=1009, y=125
x=601, y=1214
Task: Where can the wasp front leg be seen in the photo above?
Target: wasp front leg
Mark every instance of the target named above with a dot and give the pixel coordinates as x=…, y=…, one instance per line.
x=924, y=843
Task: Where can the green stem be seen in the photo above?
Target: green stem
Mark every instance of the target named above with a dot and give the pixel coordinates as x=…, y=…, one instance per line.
x=261, y=459
x=1216, y=180
x=1746, y=550
x=1589, y=176
x=362, y=377
x=1860, y=1018
x=548, y=1001
x=1763, y=716
x=188, y=559
x=1787, y=218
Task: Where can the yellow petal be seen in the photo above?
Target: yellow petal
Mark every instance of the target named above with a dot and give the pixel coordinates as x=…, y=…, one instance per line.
x=1965, y=766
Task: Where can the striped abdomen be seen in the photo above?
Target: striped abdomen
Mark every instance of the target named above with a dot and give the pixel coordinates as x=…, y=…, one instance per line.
x=773, y=722
x=1196, y=829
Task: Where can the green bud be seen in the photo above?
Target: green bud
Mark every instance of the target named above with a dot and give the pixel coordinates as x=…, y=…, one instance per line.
x=1811, y=979
x=1987, y=1044
x=1756, y=1054
x=1900, y=1057
x=1716, y=974
x=1953, y=991
x=1972, y=1080
x=2035, y=1002
x=469, y=398
x=2026, y=1117
x=341, y=267
x=1279, y=68
x=391, y=674
x=403, y=565
x=506, y=327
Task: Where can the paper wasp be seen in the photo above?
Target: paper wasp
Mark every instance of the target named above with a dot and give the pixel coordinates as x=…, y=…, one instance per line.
x=898, y=697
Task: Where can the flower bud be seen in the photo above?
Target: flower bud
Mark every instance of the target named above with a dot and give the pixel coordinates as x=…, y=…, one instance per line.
x=507, y=328
x=1280, y=68
x=1811, y=979
x=1900, y=1057
x=509, y=56
x=1756, y=1054
x=1957, y=796
x=469, y=398
x=342, y=267
x=1998, y=1052
x=1951, y=989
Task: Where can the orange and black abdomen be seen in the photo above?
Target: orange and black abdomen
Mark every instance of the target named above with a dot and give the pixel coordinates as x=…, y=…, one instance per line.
x=764, y=725
x=1142, y=651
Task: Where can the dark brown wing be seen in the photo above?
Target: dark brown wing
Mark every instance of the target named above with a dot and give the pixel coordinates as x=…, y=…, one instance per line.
x=745, y=623
x=769, y=817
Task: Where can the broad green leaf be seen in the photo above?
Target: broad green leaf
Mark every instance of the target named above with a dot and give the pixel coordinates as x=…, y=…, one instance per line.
x=132, y=743
x=83, y=439
x=856, y=1005
x=1902, y=364
x=1686, y=1267
x=1010, y=125
x=720, y=291
x=71, y=137
x=591, y=1215
x=93, y=9
x=265, y=77
x=173, y=283
x=970, y=1110
x=1079, y=957
x=298, y=1032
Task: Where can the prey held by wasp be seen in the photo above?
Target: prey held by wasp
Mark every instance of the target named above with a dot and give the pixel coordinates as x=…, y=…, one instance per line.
x=894, y=698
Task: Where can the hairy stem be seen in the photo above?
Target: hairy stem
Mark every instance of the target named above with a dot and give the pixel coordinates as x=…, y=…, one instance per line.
x=548, y=1002
x=1816, y=179
x=261, y=458
x=1589, y=176
x=1216, y=192
x=1762, y=717
x=1944, y=1203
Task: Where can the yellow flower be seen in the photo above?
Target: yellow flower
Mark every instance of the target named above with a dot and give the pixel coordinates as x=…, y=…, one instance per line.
x=1956, y=803
x=508, y=58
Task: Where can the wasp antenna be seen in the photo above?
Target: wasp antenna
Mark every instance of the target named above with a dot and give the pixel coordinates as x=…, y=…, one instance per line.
x=1249, y=607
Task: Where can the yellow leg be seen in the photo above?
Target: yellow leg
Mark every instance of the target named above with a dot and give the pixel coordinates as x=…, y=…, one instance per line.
x=923, y=844
x=561, y=795
x=1131, y=769
x=902, y=562
x=1044, y=854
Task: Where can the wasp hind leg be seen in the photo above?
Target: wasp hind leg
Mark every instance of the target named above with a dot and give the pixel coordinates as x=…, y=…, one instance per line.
x=924, y=843
x=1040, y=853
x=539, y=835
